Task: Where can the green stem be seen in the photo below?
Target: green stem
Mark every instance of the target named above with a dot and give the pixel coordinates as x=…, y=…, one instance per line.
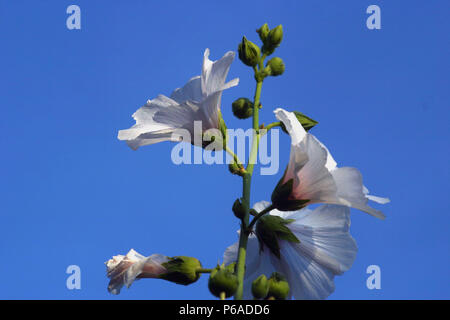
x=259, y=215
x=222, y=296
x=243, y=238
x=271, y=125
x=235, y=157
x=203, y=270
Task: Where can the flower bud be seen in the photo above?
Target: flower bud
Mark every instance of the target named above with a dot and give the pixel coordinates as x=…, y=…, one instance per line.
x=273, y=40
x=263, y=32
x=275, y=36
x=239, y=209
x=242, y=108
x=260, y=287
x=276, y=66
x=181, y=270
x=249, y=52
x=222, y=279
x=278, y=287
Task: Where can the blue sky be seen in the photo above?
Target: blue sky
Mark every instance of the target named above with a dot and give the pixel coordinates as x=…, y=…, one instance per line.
x=71, y=193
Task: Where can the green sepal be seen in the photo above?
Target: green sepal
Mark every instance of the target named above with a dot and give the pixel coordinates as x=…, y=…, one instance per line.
x=306, y=122
x=270, y=229
x=281, y=196
x=181, y=270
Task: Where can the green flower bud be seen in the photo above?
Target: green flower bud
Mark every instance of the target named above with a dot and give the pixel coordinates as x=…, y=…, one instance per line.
x=260, y=287
x=239, y=209
x=181, y=270
x=242, y=108
x=249, y=52
x=276, y=66
x=222, y=279
x=273, y=40
x=278, y=287
x=263, y=32
x=275, y=36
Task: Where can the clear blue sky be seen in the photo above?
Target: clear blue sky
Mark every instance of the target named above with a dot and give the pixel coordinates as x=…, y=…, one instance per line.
x=71, y=193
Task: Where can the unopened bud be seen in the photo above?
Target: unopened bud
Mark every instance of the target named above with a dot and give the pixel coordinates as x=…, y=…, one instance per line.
x=263, y=32
x=181, y=270
x=273, y=40
x=260, y=287
x=239, y=209
x=276, y=66
x=278, y=287
x=222, y=280
x=242, y=108
x=249, y=52
x=275, y=36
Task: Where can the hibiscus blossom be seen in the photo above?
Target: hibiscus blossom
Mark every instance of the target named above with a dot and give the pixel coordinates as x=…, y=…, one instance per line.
x=199, y=100
x=319, y=247
x=123, y=270
x=312, y=175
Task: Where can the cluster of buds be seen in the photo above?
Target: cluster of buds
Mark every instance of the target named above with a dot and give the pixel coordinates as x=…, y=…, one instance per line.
x=253, y=56
x=274, y=288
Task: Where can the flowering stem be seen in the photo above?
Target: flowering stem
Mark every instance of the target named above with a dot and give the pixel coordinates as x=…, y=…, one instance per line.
x=243, y=237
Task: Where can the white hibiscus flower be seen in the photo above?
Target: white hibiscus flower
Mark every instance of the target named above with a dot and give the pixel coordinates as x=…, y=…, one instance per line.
x=312, y=175
x=198, y=100
x=123, y=270
x=325, y=249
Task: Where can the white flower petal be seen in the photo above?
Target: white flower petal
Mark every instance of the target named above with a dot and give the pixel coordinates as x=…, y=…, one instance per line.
x=326, y=249
x=198, y=100
x=261, y=205
x=324, y=236
x=314, y=180
x=214, y=73
x=375, y=198
x=192, y=91
x=307, y=279
x=293, y=126
x=315, y=173
x=124, y=270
